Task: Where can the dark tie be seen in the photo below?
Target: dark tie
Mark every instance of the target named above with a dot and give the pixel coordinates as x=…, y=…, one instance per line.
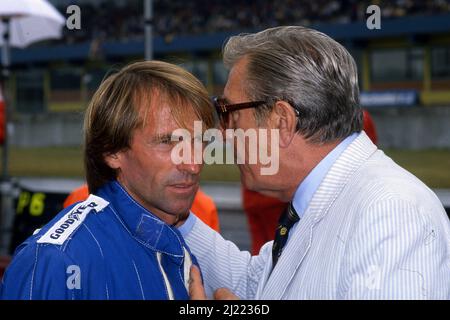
x=287, y=219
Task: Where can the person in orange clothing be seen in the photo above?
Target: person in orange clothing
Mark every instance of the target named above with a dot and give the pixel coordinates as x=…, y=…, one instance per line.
x=79, y=194
x=263, y=212
x=203, y=206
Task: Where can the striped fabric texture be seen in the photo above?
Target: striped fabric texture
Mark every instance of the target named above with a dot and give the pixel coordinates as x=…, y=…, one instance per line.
x=371, y=231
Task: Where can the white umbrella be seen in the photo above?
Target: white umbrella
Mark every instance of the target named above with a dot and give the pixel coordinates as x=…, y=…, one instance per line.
x=25, y=22
x=30, y=21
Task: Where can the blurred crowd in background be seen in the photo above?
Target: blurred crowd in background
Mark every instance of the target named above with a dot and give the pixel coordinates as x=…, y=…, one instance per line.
x=124, y=21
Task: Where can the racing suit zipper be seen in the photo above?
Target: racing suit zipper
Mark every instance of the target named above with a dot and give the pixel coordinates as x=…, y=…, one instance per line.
x=166, y=279
x=187, y=264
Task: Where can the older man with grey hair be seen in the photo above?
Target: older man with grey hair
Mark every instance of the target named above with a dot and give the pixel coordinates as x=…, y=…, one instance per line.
x=358, y=225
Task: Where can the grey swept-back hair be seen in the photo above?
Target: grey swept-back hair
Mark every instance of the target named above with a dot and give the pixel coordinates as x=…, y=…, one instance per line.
x=306, y=68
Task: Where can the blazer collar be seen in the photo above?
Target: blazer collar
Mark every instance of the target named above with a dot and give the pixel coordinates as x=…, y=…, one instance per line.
x=143, y=225
x=298, y=245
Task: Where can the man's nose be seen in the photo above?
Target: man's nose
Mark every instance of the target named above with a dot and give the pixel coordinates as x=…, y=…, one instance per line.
x=195, y=164
x=191, y=168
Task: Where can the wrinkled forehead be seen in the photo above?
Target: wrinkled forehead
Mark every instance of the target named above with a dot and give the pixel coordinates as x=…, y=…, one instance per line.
x=235, y=89
x=164, y=112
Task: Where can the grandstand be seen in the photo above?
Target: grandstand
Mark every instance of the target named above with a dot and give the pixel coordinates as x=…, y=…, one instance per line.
x=123, y=20
x=406, y=62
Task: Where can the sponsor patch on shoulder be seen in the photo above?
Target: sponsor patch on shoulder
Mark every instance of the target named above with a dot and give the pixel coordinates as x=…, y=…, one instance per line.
x=67, y=225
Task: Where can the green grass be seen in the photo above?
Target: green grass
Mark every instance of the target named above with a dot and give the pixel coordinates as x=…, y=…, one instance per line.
x=68, y=162
x=52, y=162
x=431, y=166
x=220, y=172
x=66, y=106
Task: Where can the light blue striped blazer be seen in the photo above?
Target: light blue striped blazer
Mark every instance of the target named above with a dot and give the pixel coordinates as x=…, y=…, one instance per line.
x=371, y=231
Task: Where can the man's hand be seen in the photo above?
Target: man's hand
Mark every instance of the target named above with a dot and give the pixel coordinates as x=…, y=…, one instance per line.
x=224, y=294
x=197, y=291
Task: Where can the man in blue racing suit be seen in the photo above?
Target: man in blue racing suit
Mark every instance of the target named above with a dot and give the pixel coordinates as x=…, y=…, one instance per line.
x=122, y=242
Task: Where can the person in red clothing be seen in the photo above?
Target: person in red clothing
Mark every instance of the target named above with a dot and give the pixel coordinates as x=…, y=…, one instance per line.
x=263, y=212
x=262, y=215
x=369, y=127
x=203, y=205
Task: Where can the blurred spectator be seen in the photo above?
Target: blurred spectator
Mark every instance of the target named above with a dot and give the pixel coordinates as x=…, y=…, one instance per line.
x=204, y=208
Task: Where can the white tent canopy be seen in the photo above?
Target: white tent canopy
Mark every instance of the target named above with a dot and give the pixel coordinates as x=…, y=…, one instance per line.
x=31, y=21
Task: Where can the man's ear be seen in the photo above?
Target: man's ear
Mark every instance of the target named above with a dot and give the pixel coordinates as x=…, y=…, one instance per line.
x=113, y=160
x=285, y=120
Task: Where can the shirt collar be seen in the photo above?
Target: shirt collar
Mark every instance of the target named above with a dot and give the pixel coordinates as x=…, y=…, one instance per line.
x=143, y=225
x=311, y=183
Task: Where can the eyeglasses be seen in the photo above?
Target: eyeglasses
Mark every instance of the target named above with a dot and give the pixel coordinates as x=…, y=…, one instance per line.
x=224, y=109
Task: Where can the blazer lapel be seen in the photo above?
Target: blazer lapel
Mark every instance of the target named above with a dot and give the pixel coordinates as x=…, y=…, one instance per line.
x=300, y=241
x=297, y=246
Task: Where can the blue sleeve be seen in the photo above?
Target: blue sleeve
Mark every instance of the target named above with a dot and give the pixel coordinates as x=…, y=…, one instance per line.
x=40, y=271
